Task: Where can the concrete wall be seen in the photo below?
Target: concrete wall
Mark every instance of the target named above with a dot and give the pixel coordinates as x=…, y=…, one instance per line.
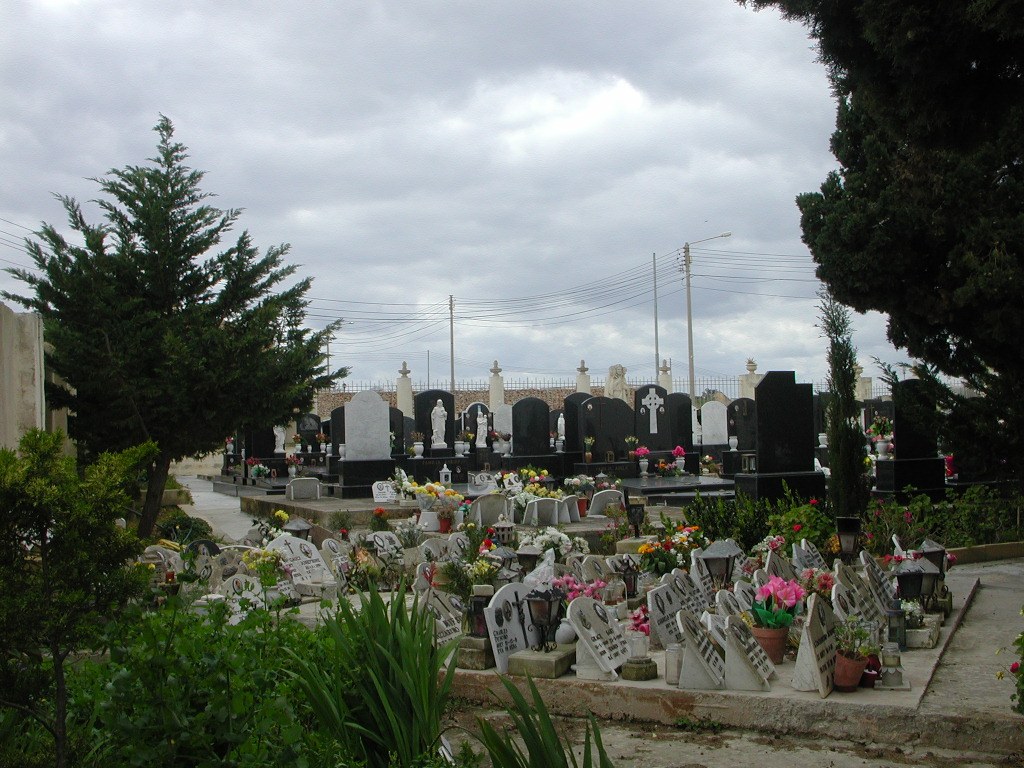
x=22, y=399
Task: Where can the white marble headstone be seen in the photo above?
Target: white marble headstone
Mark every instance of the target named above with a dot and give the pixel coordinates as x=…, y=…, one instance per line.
x=384, y=492
x=447, y=610
x=727, y=603
x=690, y=596
x=701, y=575
x=812, y=555
x=816, y=659
x=874, y=575
x=663, y=603
x=304, y=559
x=715, y=625
x=702, y=668
x=868, y=600
x=599, y=632
x=508, y=624
x=745, y=594
x=367, y=427
x=714, y=423
x=778, y=565
x=747, y=666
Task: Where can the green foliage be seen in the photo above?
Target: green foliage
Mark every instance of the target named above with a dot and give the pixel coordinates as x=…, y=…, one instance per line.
x=146, y=302
x=929, y=138
x=742, y=519
x=63, y=566
x=340, y=519
x=378, y=692
x=542, y=746
x=698, y=726
x=183, y=689
x=854, y=638
x=848, y=486
x=180, y=527
x=810, y=520
x=1018, y=672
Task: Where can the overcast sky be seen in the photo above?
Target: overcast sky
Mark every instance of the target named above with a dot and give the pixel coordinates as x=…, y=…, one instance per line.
x=527, y=158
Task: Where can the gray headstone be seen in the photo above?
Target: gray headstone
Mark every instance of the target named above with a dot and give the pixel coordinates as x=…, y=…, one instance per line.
x=745, y=594
x=503, y=419
x=691, y=597
x=778, y=565
x=747, y=666
x=816, y=659
x=663, y=603
x=508, y=624
x=367, y=427
x=598, y=631
x=702, y=668
x=714, y=423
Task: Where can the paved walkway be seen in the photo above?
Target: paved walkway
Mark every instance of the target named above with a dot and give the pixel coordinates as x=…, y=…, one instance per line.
x=964, y=707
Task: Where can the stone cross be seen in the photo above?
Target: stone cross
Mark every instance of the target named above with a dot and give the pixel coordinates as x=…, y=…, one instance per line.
x=653, y=402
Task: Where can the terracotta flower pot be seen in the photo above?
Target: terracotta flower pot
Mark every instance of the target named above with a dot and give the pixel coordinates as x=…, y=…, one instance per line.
x=773, y=641
x=444, y=525
x=581, y=505
x=848, y=672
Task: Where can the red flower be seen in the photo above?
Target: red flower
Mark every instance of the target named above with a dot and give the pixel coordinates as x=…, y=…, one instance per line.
x=797, y=527
x=379, y=512
x=666, y=545
x=490, y=531
x=813, y=502
x=1015, y=667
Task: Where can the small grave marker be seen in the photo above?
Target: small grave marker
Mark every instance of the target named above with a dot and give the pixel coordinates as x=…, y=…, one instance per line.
x=663, y=603
x=816, y=659
x=701, y=668
x=599, y=633
x=747, y=666
x=507, y=623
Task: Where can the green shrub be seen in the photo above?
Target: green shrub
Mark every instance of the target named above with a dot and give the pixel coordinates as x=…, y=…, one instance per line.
x=742, y=519
x=178, y=526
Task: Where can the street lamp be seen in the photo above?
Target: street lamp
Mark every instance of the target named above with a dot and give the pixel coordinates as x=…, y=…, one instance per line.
x=689, y=308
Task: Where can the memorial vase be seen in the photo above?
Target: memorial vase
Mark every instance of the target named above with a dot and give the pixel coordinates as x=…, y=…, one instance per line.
x=292, y=470
x=444, y=525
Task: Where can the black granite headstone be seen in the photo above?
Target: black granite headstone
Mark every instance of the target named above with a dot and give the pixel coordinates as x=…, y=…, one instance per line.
x=396, y=424
x=680, y=420
x=609, y=421
x=915, y=433
x=742, y=413
x=309, y=428
x=652, y=427
x=785, y=424
x=260, y=443
x=423, y=405
x=571, y=408
x=338, y=427
x=530, y=427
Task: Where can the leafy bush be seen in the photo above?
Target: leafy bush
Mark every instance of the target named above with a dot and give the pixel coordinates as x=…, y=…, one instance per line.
x=178, y=526
x=810, y=520
x=742, y=519
x=378, y=693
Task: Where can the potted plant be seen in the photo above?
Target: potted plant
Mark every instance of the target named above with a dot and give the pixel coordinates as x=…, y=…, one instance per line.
x=773, y=613
x=379, y=521
x=417, y=444
x=853, y=646
x=297, y=439
x=631, y=442
x=321, y=437
x=445, y=514
x=641, y=453
x=292, y=462
x=588, y=444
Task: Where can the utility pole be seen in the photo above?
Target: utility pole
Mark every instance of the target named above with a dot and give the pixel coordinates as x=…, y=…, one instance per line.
x=657, y=354
x=451, y=336
x=689, y=307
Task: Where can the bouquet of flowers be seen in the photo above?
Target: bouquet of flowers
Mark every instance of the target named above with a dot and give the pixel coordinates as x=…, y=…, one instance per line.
x=259, y=470
x=880, y=427
x=270, y=528
x=639, y=620
x=777, y=602
x=818, y=581
x=533, y=475
x=678, y=452
x=579, y=484
x=292, y=460
x=574, y=588
x=552, y=538
x=643, y=452
x=667, y=469
x=403, y=484
x=673, y=551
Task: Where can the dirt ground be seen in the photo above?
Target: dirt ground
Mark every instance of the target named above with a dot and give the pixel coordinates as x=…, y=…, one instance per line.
x=686, y=746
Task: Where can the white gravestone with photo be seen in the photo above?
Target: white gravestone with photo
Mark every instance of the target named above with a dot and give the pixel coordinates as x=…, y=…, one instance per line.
x=745, y=594
x=701, y=668
x=747, y=666
x=812, y=554
x=727, y=604
x=447, y=610
x=690, y=595
x=337, y=556
x=384, y=492
x=309, y=571
x=599, y=634
x=508, y=623
x=663, y=603
x=715, y=625
x=871, y=610
x=878, y=581
x=816, y=659
x=778, y=565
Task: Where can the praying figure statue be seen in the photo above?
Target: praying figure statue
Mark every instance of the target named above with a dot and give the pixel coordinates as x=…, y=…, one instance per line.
x=481, y=428
x=561, y=427
x=438, y=421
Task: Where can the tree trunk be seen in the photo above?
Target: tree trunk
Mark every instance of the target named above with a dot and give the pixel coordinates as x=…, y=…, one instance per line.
x=154, y=494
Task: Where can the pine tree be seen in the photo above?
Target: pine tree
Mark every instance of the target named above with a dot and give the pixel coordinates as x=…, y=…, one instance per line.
x=156, y=334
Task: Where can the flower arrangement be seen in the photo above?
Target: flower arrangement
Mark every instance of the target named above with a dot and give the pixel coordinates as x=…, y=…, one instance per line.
x=642, y=452
x=818, y=581
x=881, y=427
x=631, y=441
x=678, y=452
x=552, y=538
x=609, y=483
x=256, y=469
x=573, y=587
x=667, y=469
x=579, y=484
x=402, y=484
x=533, y=475
x=809, y=520
x=321, y=437
x=410, y=534
x=673, y=551
x=894, y=560
x=292, y=460
x=229, y=441
x=639, y=620
x=466, y=436
x=297, y=439
x=266, y=565
x=270, y=528
x=777, y=602
x=416, y=437
x=589, y=441
x=496, y=435
x=379, y=520
x=707, y=461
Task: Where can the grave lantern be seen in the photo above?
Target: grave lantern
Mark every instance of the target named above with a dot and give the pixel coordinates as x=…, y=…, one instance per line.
x=444, y=476
x=931, y=580
x=910, y=577
x=630, y=572
x=891, y=675
x=636, y=512
x=848, y=532
x=720, y=558
x=896, y=624
x=479, y=600
x=528, y=557
x=545, y=610
x=297, y=527
x=935, y=554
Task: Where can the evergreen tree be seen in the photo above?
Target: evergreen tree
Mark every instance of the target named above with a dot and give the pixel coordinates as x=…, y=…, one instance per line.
x=156, y=335
x=922, y=220
x=847, y=487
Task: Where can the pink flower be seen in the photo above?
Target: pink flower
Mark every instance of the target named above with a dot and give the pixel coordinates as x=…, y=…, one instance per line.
x=825, y=582
x=764, y=592
x=797, y=527
x=679, y=451
x=950, y=559
x=1015, y=667
x=642, y=451
x=813, y=502
x=907, y=517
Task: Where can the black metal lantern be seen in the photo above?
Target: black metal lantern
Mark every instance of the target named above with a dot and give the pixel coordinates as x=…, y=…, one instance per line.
x=630, y=572
x=848, y=531
x=479, y=600
x=931, y=581
x=545, y=611
x=935, y=554
x=910, y=578
x=636, y=511
x=896, y=623
x=297, y=527
x=720, y=558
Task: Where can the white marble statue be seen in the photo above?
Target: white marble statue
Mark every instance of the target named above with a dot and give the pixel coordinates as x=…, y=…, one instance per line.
x=481, y=428
x=561, y=426
x=279, y=435
x=438, y=420
x=616, y=386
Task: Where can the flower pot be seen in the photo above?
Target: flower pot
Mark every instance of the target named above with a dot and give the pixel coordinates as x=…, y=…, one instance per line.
x=734, y=442
x=882, y=448
x=588, y=457
x=292, y=470
x=559, y=446
x=644, y=464
x=565, y=633
x=773, y=640
x=417, y=450
x=581, y=505
x=848, y=672
x=444, y=525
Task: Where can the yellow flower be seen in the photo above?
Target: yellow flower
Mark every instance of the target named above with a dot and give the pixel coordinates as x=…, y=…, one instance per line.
x=281, y=515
